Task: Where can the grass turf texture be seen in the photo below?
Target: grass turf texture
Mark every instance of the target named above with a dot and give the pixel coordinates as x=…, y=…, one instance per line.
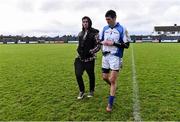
x=37, y=82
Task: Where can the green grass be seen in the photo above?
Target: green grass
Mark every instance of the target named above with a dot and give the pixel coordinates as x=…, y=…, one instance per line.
x=37, y=82
x=158, y=74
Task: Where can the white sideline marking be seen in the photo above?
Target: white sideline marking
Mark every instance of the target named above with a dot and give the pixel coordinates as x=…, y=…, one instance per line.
x=136, y=105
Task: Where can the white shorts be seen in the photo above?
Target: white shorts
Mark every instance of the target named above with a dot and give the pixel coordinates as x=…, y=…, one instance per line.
x=111, y=62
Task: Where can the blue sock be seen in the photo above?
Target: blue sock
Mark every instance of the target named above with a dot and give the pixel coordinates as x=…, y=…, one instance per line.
x=111, y=100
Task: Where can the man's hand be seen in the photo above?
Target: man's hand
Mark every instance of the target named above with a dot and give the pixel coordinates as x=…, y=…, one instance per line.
x=91, y=51
x=107, y=43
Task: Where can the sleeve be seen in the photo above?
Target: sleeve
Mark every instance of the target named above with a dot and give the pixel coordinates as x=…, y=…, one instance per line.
x=97, y=46
x=101, y=35
x=78, y=38
x=125, y=40
x=126, y=37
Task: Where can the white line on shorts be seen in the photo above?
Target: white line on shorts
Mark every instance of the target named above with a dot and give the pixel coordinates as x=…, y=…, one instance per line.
x=136, y=105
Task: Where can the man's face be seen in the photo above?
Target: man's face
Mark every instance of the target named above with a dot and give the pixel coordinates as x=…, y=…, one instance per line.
x=85, y=23
x=111, y=21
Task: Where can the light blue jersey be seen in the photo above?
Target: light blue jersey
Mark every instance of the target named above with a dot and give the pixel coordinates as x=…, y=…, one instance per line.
x=116, y=34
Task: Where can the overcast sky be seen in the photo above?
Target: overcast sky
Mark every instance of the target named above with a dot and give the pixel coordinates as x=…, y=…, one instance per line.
x=59, y=17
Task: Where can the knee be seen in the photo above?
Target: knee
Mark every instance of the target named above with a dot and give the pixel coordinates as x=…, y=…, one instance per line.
x=91, y=74
x=112, y=80
x=78, y=74
x=105, y=78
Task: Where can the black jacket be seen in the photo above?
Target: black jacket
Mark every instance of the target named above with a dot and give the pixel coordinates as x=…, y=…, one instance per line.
x=85, y=45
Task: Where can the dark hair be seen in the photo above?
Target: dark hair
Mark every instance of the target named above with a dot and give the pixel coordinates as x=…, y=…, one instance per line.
x=89, y=22
x=110, y=13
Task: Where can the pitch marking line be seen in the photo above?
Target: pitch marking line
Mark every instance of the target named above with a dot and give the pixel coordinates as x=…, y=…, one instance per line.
x=136, y=104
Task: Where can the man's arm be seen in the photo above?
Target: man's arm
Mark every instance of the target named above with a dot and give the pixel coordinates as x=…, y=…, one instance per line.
x=126, y=40
x=119, y=45
x=96, y=49
x=97, y=45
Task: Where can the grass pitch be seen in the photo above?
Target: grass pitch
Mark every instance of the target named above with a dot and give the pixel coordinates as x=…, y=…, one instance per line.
x=37, y=82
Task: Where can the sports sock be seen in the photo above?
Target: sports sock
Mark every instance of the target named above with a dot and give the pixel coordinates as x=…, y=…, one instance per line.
x=111, y=100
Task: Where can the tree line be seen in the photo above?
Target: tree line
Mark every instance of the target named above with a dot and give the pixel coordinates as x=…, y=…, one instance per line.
x=28, y=39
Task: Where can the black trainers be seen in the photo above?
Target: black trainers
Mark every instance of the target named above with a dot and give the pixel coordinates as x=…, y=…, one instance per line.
x=91, y=94
x=80, y=96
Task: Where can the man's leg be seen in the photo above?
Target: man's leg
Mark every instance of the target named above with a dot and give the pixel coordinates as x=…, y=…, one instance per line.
x=105, y=69
x=115, y=63
x=106, y=77
x=89, y=67
x=79, y=69
x=112, y=79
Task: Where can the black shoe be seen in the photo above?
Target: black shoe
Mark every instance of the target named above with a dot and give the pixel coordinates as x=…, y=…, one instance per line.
x=91, y=94
x=80, y=96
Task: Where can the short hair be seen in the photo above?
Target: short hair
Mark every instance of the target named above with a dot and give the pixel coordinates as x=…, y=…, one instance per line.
x=110, y=13
x=89, y=21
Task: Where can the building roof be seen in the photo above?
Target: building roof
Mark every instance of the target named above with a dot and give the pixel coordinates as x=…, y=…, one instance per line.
x=167, y=28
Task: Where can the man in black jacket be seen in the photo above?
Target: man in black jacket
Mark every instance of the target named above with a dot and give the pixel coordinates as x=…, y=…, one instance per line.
x=86, y=57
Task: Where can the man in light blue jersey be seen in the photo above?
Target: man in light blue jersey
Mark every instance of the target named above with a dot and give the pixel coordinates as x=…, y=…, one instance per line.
x=114, y=38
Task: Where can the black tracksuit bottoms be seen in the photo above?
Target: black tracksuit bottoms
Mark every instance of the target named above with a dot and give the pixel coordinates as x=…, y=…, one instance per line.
x=80, y=67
